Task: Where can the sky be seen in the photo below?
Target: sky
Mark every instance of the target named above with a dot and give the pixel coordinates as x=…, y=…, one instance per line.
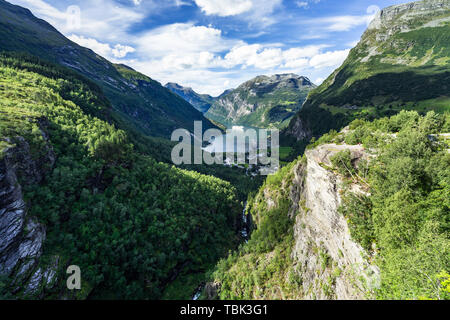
x=214, y=45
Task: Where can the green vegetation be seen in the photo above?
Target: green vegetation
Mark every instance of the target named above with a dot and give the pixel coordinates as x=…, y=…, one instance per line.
x=408, y=71
x=403, y=217
x=132, y=224
x=141, y=103
x=262, y=268
x=285, y=153
x=406, y=217
x=268, y=102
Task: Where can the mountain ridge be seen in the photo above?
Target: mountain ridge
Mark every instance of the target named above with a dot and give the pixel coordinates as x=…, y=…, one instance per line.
x=264, y=101
x=201, y=102
x=153, y=109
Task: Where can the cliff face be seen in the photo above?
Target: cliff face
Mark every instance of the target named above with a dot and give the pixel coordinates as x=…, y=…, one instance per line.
x=21, y=236
x=301, y=247
x=398, y=18
x=331, y=263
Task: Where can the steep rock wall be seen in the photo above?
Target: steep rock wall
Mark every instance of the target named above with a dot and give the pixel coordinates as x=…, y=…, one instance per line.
x=21, y=236
x=330, y=262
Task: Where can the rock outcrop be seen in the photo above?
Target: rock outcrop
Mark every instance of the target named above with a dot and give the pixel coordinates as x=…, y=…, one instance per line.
x=21, y=236
x=398, y=18
x=201, y=102
x=330, y=262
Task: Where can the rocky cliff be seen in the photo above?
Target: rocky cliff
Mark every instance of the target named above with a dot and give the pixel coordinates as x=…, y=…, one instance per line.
x=301, y=247
x=21, y=236
x=332, y=264
x=262, y=102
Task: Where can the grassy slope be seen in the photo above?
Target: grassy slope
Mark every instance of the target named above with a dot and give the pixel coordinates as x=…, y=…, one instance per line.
x=411, y=71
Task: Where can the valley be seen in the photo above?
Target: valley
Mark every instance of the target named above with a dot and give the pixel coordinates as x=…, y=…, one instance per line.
x=357, y=208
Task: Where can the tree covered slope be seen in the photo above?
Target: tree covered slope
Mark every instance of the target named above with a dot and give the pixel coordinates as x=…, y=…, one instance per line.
x=264, y=102
x=132, y=224
x=401, y=62
x=141, y=101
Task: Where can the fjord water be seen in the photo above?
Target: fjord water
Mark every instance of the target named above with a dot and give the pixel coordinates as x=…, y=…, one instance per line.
x=220, y=145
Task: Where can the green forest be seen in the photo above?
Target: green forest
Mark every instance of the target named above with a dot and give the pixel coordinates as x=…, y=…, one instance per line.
x=130, y=222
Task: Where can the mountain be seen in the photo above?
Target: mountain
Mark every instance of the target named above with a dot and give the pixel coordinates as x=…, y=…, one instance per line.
x=139, y=100
x=225, y=93
x=201, y=102
x=401, y=62
x=262, y=102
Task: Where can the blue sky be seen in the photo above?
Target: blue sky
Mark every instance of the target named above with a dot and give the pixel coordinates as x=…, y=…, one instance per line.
x=213, y=45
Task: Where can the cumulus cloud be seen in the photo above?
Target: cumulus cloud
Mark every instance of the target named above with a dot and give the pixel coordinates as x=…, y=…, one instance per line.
x=103, y=49
x=224, y=8
x=202, y=58
x=258, y=56
x=199, y=56
x=182, y=39
x=329, y=59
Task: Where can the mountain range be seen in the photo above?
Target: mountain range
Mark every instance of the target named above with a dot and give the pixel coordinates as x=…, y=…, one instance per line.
x=137, y=99
x=264, y=102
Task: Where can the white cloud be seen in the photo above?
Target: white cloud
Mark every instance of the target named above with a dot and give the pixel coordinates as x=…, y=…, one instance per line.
x=319, y=81
x=103, y=49
x=194, y=55
x=99, y=19
x=302, y=4
x=344, y=23
x=305, y=4
x=329, y=59
x=258, y=56
x=180, y=3
x=203, y=58
x=224, y=8
x=183, y=38
x=256, y=12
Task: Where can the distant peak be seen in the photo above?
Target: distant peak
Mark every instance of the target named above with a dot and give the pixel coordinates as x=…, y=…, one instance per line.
x=174, y=85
